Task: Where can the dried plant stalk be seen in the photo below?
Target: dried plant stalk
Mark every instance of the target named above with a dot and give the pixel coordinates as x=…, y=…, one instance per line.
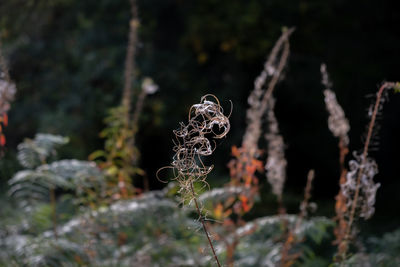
x=193, y=141
x=243, y=167
x=129, y=70
x=204, y=224
x=339, y=126
x=360, y=179
x=288, y=259
x=357, y=187
x=259, y=98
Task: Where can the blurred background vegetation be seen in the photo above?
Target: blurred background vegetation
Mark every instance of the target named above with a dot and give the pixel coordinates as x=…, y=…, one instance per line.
x=67, y=60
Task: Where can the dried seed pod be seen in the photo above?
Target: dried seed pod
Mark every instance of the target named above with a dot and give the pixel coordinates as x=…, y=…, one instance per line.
x=367, y=188
x=195, y=140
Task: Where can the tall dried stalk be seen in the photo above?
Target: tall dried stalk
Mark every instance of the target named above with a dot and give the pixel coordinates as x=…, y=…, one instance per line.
x=339, y=126
x=362, y=166
x=348, y=198
x=206, y=121
x=129, y=76
x=129, y=72
x=259, y=98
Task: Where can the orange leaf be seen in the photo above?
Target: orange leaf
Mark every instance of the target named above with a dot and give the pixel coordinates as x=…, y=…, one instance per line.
x=250, y=169
x=218, y=211
x=243, y=198
x=235, y=151
x=245, y=206
x=2, y=140
x=259, y=165
x=5, y=119
x=248, y=180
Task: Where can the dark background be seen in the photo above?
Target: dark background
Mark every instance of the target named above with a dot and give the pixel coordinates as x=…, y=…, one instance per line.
x=67, y=59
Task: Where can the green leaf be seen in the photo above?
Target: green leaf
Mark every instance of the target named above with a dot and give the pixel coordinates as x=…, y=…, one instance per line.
x=97, y=154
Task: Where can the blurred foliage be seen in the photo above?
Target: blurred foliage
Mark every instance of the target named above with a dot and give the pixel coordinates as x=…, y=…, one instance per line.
x=116, y=160
x=126, y=232
x=35, y=186
x=32, y=153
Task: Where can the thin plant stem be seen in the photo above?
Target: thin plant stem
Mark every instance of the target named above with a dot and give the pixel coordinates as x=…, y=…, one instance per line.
x=203, y=223
x=281, y=206
x=307, y=196
x=135, y=122
x=230, y=251
x=341, y=228
x=291, y=238
x=343, y=151
x=129, y=71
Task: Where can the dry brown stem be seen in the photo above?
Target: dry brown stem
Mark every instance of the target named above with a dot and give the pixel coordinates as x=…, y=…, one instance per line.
x=364, y=156
x=129, y=72
x=201, y=218
x=288, y=259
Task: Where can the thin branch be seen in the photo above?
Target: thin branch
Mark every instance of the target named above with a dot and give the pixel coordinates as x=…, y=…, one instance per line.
x=130, y=66
x=203, y=223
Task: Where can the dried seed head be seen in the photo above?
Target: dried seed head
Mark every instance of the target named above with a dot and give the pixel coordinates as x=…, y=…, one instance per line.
x=366, y=199
x=194, y=140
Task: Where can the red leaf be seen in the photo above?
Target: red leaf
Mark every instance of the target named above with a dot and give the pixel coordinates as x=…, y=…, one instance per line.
x=235, y=151
x=5, y=119
x=2, y=140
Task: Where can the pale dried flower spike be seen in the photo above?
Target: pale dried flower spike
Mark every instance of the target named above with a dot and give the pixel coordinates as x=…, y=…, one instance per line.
x=276, y=163
x=259, y=98
x=337, y=122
